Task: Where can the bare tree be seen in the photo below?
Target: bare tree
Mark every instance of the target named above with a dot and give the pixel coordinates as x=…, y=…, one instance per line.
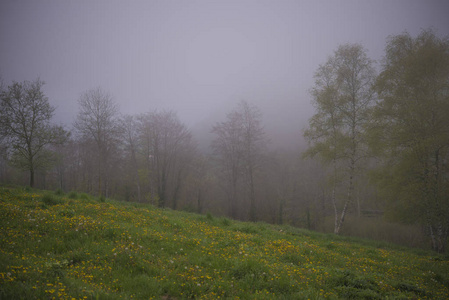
x=167, y=146
x=254, y=141
x=227, y=147
x=201, y=182
x=97, y=120
x=238, y=146
x=25, y=116
x=130, y=136
x=145, y=150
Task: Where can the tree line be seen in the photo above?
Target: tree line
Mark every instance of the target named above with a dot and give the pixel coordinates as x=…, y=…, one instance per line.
x=394, y=125
x=378, y=142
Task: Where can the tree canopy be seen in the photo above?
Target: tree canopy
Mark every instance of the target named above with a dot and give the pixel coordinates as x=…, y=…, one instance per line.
x=25, y=115
x=238, y=146
x=411, y=130
x=342, y=96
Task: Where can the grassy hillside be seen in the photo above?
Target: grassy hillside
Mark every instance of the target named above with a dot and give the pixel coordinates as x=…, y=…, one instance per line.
x=74, y=246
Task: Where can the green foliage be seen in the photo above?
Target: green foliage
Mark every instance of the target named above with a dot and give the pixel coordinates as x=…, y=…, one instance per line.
x=110, y=250
x=73, y=195
x=225, y=222
x=410, y=129
x=410, y=287
x=250, y=227
x=343, y=97
x=67, y=213
x=85, y=197
x=351, y=286
x=341, y=106
x=209, y=216
x=59, y=192
x=49, y=199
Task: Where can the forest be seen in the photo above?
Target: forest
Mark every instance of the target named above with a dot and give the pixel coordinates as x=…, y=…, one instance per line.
x=375, y=166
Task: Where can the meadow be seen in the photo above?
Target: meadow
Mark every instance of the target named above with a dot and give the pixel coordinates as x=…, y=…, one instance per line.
x=75, y=246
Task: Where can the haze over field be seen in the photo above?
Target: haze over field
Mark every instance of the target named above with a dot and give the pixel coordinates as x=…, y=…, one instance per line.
x=206, y=106
x=198, y=58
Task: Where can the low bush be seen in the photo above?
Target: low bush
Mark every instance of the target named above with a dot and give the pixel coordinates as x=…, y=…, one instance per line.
x=73, y=195
x=50, y=199
x=59, y=192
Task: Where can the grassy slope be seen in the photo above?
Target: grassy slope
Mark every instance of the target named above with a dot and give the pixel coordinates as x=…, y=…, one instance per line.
x=72, y=246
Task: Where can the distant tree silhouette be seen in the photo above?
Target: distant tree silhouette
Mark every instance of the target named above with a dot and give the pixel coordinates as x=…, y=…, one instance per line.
x=25, y=115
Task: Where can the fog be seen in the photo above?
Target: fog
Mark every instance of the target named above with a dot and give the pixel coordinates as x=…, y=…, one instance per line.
x=198, y=58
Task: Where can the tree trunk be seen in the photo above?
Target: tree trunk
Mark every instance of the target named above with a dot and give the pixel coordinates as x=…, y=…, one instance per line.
x=199, y=202
x=309, y=221
x=162, y=187
x=233, y=197
x=348, y=200
x=136, y=175
x=342, y=218
x=31, y=177
x=441, y=238
x=359, y=211
x=252, y=197
x=99, y=176
x=161, y=192
x=438, y=237
x=177, y=189
x=233, y=201
x=334, y=204
x=281, y=211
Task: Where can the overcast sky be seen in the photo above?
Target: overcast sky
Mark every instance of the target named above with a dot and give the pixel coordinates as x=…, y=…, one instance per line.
x=198, y=58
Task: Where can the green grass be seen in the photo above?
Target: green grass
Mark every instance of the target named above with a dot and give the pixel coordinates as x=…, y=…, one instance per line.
x=64, y=247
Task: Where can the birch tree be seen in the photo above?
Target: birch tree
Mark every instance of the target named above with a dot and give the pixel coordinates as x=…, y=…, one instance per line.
x=342, y=97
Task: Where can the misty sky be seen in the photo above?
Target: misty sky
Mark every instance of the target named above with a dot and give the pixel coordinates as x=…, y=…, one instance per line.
x=198, y=58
